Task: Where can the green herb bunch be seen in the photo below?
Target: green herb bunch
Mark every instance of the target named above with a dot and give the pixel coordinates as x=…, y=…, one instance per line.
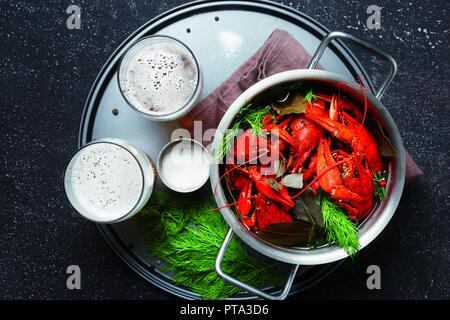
x=379, y=190
x=309, y=96
x=249, y=116
x=186, y=234
x=339, y=229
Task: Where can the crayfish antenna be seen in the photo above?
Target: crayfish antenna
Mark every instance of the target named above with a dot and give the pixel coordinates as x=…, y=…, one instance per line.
x=236, y=167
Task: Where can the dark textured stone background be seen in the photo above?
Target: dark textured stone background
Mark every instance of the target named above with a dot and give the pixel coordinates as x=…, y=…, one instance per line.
x=46, y=73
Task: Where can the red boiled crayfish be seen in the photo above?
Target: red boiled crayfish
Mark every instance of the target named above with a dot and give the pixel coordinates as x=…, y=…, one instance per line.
x=345, y=173
x=349, y=130
x=350, y=185
x=271, y=203
x=250, y=148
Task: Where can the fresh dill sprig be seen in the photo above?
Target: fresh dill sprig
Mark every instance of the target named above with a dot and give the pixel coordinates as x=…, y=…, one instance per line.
x=254, y=118
x=226, y=142
x=249, y=116
x=379, y=191
x=166, y=220
x=186, y=236
x=309, y=96
x=338, y=227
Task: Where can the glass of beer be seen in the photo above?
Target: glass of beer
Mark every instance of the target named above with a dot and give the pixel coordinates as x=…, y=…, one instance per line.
x=108, y=180
x=160, y=78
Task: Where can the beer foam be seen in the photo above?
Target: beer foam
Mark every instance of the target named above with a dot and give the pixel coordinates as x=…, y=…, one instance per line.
x=158, y=75
x=106, y=181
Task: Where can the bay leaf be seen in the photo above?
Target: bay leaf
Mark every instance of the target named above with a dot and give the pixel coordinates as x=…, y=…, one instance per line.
x=278, y=166
x=308, y=209
x=293, y=180
x=274, y=184
x=294, y=105
x=385, y=145
x=288, y=234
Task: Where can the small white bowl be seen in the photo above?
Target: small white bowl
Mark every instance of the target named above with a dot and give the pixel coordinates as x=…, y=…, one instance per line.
x=183, y=165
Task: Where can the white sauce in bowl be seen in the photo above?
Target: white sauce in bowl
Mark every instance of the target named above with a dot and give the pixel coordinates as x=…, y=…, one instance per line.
x=183, y=165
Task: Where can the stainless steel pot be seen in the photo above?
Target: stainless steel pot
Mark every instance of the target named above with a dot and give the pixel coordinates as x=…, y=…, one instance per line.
x=381, y=214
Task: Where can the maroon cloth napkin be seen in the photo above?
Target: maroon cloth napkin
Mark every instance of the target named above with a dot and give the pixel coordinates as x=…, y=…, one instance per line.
x=280, y=52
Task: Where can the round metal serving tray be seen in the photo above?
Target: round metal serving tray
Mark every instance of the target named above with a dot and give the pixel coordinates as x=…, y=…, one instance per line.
x=204, y=26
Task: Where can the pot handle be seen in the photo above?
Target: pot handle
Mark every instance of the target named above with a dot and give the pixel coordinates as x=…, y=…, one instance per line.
x=245, y=286
x=364, y=45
